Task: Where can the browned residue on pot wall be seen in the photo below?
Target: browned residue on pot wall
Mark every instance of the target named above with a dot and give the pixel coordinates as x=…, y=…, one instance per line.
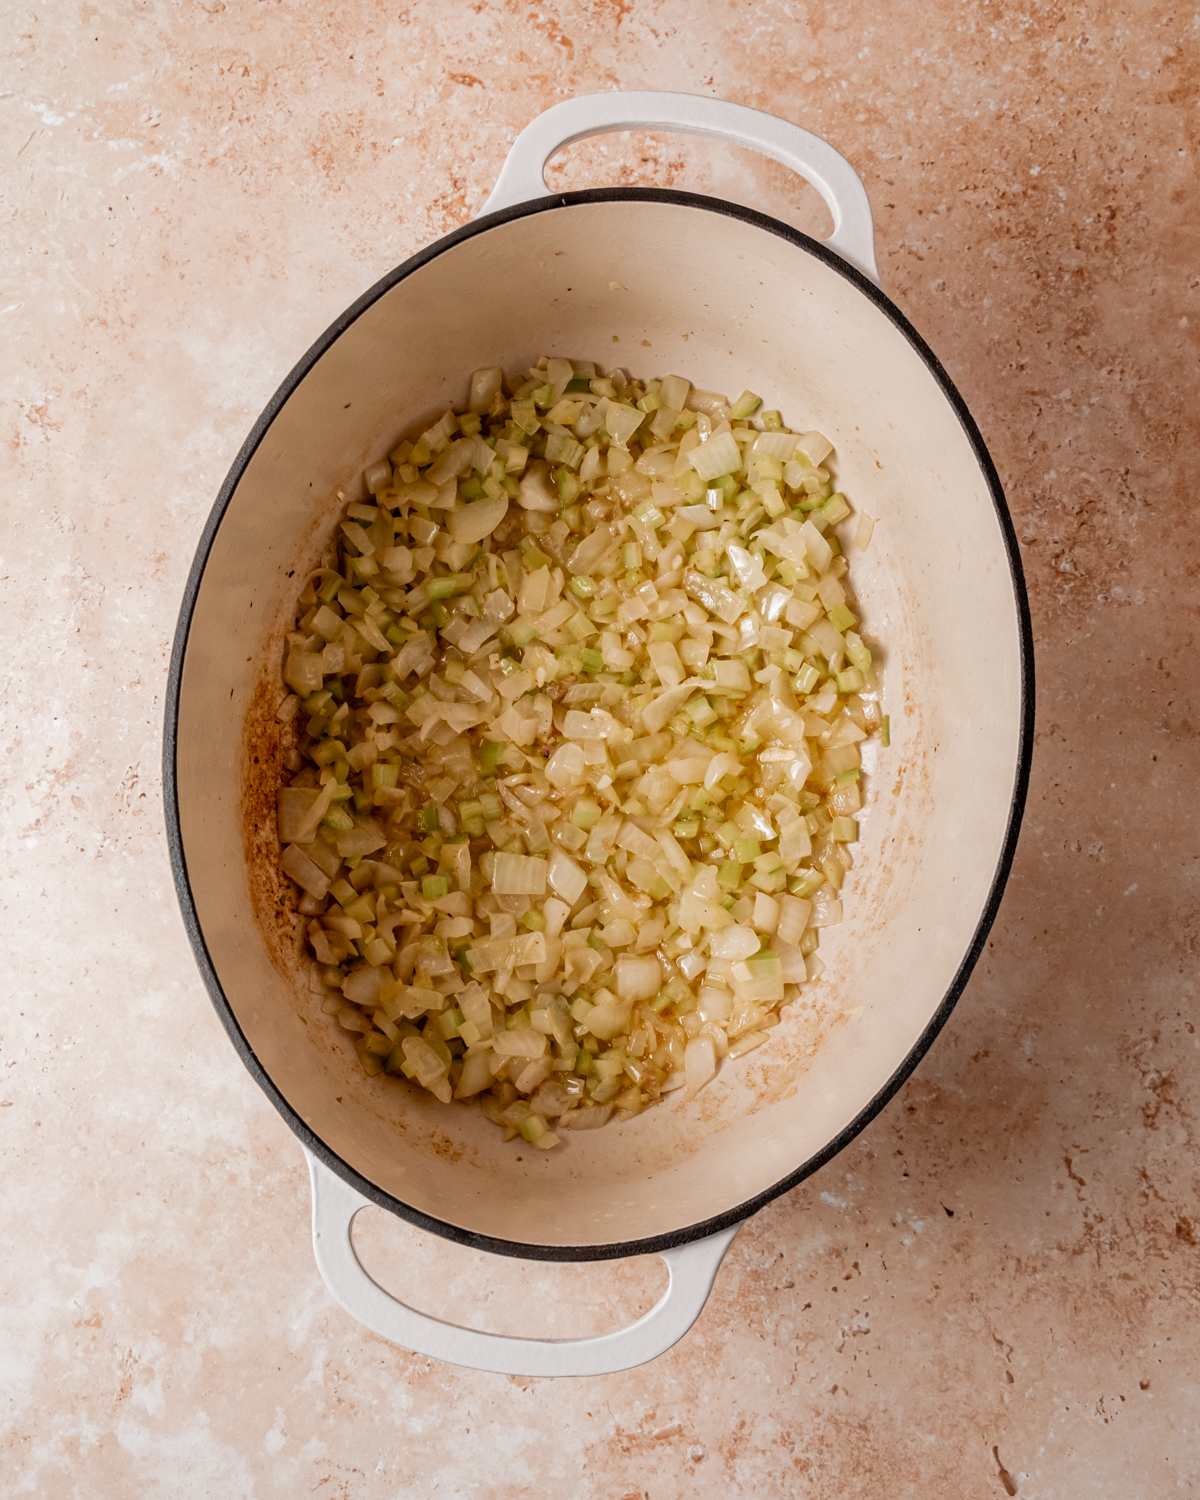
x=266, y=747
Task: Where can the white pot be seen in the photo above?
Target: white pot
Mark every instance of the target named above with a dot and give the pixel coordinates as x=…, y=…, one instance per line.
x=730, y=299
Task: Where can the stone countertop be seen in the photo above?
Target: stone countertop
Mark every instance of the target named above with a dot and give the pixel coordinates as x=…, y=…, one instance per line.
x=994, y=1289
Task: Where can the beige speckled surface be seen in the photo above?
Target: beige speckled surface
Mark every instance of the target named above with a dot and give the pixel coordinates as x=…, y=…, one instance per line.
x=1004, y=1269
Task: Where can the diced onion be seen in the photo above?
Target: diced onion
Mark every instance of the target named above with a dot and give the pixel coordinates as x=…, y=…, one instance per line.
x=567, y=879
x=519, y=875
x=820, y=554
x=734, y=942
x=471, y=523
x=609, y=1018
x=815, y=447
x=566, y=767
x=579, y=774
x=639, y=978
x=699, y=1064
x=621, y=421
x=781, y=445
x=746, y=567
x=485, y=387
x=716, y=455
x=519, y=1044
x=295, y=863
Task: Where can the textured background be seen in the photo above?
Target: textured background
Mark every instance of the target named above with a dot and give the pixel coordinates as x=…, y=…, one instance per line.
x=995, y=1288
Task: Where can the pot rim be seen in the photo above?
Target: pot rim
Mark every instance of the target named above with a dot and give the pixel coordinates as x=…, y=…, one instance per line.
x=312, y=1142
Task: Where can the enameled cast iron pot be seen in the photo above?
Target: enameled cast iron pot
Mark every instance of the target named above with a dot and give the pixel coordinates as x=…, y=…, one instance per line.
x=730, y=299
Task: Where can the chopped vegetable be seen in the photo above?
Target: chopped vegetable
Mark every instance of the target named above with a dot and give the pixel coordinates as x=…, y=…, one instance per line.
x=579, y=776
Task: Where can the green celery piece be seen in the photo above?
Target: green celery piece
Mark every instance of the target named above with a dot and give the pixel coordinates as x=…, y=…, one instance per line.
x=842, y=618
x=586, y=813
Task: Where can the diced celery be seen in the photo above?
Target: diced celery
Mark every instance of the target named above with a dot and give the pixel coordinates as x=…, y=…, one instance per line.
x=805, y=883
x=842, y=618
x=650, y=514
x=445, y=588
x=807, y=678
x=470, y=813
x=700, y=711
x=522, y=631
x=745, y=405
x=533, y=555
x=586, y=813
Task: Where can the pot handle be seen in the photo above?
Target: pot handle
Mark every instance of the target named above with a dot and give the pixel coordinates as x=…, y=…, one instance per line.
x=521, y=178
x=692, y=1268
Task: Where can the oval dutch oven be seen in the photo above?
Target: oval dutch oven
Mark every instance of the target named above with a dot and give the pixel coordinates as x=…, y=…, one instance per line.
x=729, y=298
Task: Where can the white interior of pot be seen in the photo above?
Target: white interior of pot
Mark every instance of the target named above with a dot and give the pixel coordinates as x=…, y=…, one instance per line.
x=729, y=306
